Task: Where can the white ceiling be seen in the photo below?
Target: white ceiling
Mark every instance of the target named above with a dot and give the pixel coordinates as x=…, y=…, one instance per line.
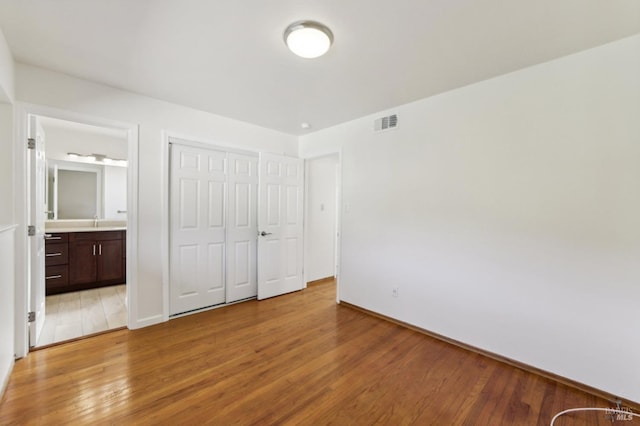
x=228, y=57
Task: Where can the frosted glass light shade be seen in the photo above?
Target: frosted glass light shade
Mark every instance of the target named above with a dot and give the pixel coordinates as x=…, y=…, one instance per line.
x=308, y=39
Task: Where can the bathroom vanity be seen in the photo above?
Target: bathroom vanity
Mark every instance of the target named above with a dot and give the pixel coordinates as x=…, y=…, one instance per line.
x=80, y=258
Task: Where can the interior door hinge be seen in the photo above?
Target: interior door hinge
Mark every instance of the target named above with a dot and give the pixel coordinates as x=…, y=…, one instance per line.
x=31, y=143
x=31, y=317
x=31, y=230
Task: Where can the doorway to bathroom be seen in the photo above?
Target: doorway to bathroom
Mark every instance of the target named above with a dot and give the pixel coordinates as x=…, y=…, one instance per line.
x=79, y=274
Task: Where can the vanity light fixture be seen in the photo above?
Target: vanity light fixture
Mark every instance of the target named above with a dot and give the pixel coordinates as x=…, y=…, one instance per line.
x=308, y=39
x=97, y=159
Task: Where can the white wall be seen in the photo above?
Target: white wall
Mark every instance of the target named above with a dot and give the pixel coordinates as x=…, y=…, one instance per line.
x=320, y=220
x=506, y=212
x=6, y=163
x=115, y=192
x=6, y=71
x=6, y=308
x=42, y=87
x=7, y=248
x=60, y=141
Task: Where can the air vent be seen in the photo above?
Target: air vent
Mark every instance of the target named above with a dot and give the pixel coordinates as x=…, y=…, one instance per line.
x=386, y=123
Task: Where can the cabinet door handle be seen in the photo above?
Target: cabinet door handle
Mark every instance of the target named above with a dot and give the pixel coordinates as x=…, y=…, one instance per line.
x=53, y=254
x=53, y=277
x=50, y=237
x=94, y=249
x=100, y=249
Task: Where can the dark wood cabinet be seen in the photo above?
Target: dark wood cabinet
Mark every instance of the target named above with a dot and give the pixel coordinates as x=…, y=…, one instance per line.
x=57, y=279
x=124, y=258
x=84, y=268
x=110, y=261
x=83, y=260
x=96, y=257
x=56, y=263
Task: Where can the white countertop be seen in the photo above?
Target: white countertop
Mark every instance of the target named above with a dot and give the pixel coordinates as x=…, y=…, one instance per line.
x=84, y=229
x=84, y=225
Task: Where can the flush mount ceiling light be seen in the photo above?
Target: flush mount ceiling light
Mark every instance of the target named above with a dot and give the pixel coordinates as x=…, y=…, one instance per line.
x=308, y=39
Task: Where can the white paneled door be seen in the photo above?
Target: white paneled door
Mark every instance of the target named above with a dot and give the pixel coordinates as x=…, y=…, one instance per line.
x=242, y=229
x=197, y=228
x=280, y=212
x=217, y=200
x=37, y=211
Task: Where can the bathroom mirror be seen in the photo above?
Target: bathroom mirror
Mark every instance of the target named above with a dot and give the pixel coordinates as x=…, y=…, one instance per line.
x=86, y=191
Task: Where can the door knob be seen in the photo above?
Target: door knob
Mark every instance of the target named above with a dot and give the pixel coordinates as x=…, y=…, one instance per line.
x=264, y=234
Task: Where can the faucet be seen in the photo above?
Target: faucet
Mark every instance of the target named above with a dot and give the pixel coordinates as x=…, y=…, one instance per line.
x=95, y=221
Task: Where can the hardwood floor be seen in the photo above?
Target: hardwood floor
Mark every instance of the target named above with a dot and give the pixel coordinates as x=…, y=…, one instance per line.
x=294, y=359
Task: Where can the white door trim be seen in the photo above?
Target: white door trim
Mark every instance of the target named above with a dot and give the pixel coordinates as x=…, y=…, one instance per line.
x=21, y=112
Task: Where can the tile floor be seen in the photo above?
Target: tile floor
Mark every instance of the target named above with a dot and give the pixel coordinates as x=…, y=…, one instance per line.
x=72, y=315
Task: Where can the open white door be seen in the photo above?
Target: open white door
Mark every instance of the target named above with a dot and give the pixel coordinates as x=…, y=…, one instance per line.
x=280, y=213
x=37, y=209
x=197, y=228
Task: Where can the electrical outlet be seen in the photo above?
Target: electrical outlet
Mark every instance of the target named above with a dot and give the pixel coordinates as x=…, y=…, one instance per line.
x=394, y=292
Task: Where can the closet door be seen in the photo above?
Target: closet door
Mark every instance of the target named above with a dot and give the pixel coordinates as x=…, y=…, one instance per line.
x=197, y=228
x=242, y=229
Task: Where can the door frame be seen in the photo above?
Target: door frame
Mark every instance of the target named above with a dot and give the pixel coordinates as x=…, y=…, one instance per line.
x=21, y=112
x=338, y=244
x=169, y=137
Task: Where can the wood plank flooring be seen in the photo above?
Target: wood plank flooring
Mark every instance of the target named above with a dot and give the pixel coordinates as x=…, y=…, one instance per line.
x=294, y=359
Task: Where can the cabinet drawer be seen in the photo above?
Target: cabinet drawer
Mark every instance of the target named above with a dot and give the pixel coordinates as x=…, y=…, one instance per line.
x=51, y=237
x=56, y=254
x=56, y=278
